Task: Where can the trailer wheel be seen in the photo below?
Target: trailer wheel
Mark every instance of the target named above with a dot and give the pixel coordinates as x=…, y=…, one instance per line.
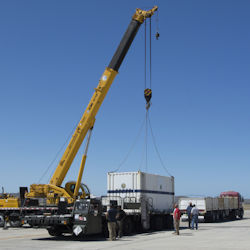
x=170, y=222
x=127, y=226
x=213, y=217
x=105, y=230
x=138, y=225
x=217, y=216
x=222, y=216
x=1, y=220
x=157, y=223
x=232, y=215
x=241, y=214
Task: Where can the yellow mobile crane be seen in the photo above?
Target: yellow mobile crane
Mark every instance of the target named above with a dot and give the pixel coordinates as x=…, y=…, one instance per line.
x=53, y=191
x=10, y=207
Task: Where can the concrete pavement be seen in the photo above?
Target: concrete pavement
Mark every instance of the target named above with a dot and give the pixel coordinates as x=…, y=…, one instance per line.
x=223, y=235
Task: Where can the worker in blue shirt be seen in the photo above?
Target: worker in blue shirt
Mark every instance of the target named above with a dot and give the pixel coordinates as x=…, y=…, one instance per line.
x=195, y=215
x=111, y=218
x=189, y=208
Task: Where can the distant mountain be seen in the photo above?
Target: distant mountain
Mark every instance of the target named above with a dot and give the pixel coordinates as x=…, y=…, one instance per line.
x=246, y=201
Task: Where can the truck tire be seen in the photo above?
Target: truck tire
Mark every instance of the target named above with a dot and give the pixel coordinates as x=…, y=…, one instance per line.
x=222, y=216
x=127, y=226
x=232, y=215
x=14, y=220
x=206, y=218
x=54, y=232
x=15, y=223
x=241, y=214
x=169, y=222
x=217, y=216
x=214, y=217
x=105, y=230
x=157, y=223
x=138, y=225
x=1, y=220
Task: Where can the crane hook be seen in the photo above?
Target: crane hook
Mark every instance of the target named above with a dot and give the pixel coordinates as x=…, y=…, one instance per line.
x=157, y=35
x=148, y=95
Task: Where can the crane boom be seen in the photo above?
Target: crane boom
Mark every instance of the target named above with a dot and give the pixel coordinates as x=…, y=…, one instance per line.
x=88, y=119
x=86, y=122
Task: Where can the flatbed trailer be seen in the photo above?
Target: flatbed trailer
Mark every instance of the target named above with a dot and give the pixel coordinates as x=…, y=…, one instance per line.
x=227, y=206
x=15, y=217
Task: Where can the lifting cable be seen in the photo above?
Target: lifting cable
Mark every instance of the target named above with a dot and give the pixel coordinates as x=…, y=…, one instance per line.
x=156, y=149
x=148, y=93
x=131, y=148
x=150, y=55
x=145, y=56
x=157, y=34
x=56, y=156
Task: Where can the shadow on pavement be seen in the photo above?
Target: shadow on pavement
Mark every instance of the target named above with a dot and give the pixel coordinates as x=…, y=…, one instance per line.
x=72, y=238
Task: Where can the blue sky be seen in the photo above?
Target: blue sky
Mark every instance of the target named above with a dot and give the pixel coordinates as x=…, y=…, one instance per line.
x=52, y=54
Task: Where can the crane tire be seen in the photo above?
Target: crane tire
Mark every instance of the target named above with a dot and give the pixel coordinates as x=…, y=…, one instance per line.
x=15, y=223
x=1, y=220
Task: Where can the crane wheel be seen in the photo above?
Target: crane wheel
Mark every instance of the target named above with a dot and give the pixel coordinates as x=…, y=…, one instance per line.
x=54, y=232
x=1, y=220
x=15, y=223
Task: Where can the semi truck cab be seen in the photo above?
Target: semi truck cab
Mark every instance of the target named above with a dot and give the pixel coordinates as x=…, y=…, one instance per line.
x=88, y=217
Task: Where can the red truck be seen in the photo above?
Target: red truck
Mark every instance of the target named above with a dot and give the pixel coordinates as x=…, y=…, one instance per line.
x=238, y=210
x=227, y=206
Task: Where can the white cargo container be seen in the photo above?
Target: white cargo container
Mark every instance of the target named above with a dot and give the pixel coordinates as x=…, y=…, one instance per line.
x=157, y=190
x=149, y=196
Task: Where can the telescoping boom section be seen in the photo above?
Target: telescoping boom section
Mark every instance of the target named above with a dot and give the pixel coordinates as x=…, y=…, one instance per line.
x=53, y=191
